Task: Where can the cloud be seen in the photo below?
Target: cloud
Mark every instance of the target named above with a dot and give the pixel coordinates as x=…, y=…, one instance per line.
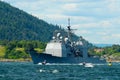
x=116, y=35
x=69, y=7
x=102, y=33
x=99, y=9
x=113, y=5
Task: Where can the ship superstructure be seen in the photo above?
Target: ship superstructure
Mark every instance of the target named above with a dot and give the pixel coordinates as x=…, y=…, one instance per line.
x=62, y=46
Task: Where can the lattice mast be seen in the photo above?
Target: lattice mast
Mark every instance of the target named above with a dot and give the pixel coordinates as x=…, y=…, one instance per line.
x=69, y=30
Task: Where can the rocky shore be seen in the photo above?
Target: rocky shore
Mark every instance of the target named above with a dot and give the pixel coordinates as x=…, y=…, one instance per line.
x=113, y=60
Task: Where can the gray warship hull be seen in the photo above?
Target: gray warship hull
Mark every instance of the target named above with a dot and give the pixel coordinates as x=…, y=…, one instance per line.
x=39, y=58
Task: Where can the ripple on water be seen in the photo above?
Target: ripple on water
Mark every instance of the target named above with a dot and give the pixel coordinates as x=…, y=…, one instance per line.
x=29, y=71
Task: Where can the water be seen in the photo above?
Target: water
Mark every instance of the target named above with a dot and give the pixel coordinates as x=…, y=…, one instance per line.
x=30, y=71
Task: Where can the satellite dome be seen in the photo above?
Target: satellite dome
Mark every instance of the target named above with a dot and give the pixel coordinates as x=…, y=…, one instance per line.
x=58, y=34
x=53, y=37
x=66, y=39
x=61, y=37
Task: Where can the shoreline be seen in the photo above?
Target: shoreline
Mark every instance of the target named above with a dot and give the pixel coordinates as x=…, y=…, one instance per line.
x=113, y=61
x=15, y=60
x=29, y=60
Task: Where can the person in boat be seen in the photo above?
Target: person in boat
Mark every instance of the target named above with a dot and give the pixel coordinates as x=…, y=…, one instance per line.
x=110, y=63
x=84, y=63
x=44, y=62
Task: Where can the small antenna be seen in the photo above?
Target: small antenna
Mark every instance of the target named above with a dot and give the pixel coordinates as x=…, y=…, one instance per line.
x=69, y=30
x=68, y=21
x=69, y=24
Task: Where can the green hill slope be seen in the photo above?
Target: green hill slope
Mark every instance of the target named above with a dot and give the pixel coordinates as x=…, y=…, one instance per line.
x=2, y=51
x=16, y=24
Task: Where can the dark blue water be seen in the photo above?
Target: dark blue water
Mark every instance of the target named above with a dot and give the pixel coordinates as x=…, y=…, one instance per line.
x=30, y=71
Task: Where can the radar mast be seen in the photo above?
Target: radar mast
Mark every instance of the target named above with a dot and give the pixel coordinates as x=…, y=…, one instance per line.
x=69, y=30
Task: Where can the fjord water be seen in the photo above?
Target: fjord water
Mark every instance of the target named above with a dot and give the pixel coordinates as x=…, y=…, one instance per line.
x=30, y=71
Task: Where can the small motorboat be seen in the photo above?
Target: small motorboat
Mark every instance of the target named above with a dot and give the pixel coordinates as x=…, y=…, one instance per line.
x=88, y=65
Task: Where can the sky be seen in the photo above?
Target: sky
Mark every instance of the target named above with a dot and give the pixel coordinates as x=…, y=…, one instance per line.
x=98, y=21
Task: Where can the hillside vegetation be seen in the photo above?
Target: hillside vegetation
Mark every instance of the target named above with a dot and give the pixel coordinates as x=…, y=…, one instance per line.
x=20, y=49
x=2, y=51
x=16, y=24
x=110, y=53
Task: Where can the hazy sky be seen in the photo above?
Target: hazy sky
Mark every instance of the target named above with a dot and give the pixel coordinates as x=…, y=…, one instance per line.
x=98, y=21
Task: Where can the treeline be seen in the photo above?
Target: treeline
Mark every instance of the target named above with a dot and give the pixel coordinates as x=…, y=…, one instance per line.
x=20, y=49
x=111, y=51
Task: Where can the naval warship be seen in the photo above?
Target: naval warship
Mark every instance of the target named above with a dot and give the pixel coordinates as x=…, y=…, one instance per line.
x=62, y=49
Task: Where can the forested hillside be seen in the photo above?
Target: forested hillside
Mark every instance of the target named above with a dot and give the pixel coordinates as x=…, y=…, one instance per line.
x=16, y=24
